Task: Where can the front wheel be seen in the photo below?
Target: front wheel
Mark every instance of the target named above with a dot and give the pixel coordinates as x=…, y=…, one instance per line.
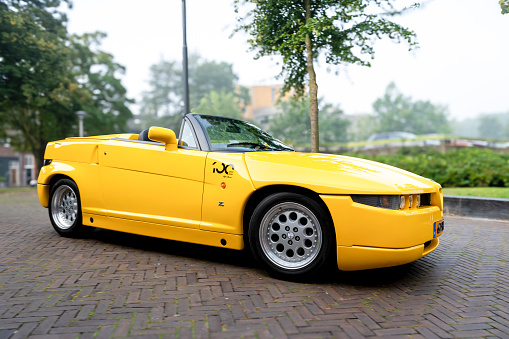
x=291, y=235
x=65, y=209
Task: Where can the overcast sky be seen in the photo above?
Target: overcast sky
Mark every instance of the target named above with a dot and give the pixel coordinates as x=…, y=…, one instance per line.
x=462, y=62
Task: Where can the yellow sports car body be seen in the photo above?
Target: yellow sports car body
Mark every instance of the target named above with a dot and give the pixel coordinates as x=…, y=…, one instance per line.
x=227, y=183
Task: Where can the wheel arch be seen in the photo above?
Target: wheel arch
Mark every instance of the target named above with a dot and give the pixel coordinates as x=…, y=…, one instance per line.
x=265, y=191
x=55, y=178
x=44, y=189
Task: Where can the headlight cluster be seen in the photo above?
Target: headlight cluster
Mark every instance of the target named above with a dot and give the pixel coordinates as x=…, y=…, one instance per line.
x=393, y=202
x=384, y=201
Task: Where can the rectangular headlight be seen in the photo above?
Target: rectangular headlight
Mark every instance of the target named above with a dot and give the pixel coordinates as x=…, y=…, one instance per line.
x=383, y=201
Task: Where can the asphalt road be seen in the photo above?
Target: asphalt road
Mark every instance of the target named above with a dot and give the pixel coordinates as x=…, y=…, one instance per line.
x=115, y=285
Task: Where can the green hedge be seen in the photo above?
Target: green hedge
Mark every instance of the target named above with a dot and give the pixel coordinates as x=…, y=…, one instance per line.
x=467, y=167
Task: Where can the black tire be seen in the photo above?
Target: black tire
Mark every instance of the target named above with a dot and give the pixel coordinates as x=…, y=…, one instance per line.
x=291, y=235
x=65, y=209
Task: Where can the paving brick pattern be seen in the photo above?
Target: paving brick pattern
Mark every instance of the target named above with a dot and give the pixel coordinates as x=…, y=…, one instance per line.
x=114, y=285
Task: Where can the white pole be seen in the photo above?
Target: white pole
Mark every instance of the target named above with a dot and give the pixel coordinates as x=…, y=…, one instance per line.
x=81, y=115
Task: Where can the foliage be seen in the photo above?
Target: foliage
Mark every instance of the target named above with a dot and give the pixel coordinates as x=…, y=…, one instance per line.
x=162, y=103
x=207, y=76
x=164, y=98
x=219, y=103
x=504, y=5
x=490, y=127
x=102, y=94
x=34, y=83
x=299, y=31
x=362, y=127
x=45, y=77
x=467, y=167
x=293, y=124
x=396, y=112
x=471, y=127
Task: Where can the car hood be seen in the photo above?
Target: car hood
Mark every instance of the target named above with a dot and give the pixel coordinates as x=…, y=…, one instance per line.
x=333, y=174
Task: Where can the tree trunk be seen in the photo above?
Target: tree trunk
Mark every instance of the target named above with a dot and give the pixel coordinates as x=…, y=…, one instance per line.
x=313, y=87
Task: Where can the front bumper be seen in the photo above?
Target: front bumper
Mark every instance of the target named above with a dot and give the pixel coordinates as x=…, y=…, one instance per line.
x=371, y=237
x=352, y=258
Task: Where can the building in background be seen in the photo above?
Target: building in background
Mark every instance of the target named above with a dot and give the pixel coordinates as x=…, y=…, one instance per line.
x=16, y=169
x=263, y=101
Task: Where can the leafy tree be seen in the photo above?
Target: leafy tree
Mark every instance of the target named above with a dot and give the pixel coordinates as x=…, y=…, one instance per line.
x=396, y=112
x=504, y=5
x=34, y=82
x=162, y=103
x=490, y=127
x=362, y=127
x=208, y=76
x=300, y=31
x=243, y=97
x=164, y=98
x=45, y=77
x=293, y=123
x=219, y=103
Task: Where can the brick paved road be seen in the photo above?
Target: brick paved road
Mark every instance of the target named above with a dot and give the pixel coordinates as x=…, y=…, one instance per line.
x=118, y=285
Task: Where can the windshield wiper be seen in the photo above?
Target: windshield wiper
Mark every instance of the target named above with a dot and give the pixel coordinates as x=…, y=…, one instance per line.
x=284, y=148
x=255, y=144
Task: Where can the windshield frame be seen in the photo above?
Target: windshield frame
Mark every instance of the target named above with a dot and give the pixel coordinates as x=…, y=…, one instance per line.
x=269, y=143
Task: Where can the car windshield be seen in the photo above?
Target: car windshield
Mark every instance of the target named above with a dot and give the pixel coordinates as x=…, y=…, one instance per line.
x=227, y=134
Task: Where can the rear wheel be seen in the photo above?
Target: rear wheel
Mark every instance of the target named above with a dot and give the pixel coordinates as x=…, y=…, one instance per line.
x=290, y=235
x=65, y=209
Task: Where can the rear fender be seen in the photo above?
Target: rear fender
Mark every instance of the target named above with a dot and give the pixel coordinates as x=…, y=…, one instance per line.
x=86, y=177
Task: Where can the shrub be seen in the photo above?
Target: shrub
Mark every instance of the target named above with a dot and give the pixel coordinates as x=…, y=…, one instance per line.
x=467, y=167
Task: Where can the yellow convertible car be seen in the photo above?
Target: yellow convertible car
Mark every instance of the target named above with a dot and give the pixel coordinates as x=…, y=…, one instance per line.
x=227, y=183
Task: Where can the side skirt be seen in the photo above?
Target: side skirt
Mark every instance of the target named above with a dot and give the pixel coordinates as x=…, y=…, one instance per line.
x=195, y=236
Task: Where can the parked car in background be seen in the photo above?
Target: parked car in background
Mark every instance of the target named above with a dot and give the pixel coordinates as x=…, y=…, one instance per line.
x=392, y=136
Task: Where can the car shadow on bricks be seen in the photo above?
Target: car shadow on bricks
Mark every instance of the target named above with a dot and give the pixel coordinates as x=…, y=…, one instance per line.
x=244, y=259
x=241, y=258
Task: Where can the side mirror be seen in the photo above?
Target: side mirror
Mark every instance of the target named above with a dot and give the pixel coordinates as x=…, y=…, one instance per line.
x=164, y=135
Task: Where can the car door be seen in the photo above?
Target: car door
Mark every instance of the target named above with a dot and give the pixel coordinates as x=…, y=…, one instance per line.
x=144, y=182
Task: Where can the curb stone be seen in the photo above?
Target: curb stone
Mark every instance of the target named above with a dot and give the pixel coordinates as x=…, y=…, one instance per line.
x=479, y=207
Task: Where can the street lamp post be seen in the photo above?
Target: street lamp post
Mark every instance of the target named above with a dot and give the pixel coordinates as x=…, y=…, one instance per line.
x=81, y=115
x=184, y=60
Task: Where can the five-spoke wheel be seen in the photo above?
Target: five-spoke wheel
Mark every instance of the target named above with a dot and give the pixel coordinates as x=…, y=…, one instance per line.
x=289, y=234
x=65, y=208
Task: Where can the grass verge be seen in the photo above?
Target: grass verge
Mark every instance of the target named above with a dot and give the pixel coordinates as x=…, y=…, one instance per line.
x=490, y=192
x=17, y=189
